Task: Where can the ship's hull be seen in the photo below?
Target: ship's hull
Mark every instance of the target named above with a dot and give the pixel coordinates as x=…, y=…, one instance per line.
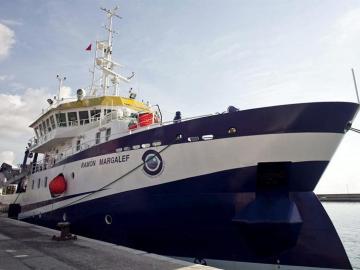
x=239, y=198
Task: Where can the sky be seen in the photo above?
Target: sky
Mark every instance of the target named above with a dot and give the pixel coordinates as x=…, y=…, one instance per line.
x=197, y=57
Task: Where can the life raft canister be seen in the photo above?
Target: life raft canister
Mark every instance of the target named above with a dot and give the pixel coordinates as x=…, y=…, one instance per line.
x=57, y=186
x=145, y=119
x=132, y=125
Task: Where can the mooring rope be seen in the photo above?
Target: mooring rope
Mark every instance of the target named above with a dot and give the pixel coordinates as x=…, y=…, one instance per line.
x=119, y=178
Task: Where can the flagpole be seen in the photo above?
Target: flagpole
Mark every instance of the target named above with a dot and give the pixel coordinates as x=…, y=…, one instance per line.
x=93, y=71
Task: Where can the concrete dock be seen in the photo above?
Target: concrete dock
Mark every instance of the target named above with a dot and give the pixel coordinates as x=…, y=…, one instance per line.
x=26, y=246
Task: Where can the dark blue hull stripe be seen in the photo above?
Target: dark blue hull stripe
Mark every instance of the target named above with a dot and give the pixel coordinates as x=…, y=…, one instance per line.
x=195, y=218
x=329, y=117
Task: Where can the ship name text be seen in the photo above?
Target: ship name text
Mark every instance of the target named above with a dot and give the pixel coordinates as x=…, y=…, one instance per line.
x=104, y=161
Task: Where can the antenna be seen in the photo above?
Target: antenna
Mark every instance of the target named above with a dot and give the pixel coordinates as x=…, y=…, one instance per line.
x=356, y=90
x=61, y=80
x=111, y=13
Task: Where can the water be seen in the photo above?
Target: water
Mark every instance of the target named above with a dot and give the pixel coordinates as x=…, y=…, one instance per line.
x=346, y=219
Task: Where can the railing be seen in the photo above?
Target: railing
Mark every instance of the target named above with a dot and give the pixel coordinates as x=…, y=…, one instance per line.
x=48, y=162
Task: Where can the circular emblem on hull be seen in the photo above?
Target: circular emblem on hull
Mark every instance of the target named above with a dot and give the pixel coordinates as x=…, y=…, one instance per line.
x=153, y=163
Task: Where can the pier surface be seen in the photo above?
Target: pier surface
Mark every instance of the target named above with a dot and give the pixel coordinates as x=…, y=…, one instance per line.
x=26, y=246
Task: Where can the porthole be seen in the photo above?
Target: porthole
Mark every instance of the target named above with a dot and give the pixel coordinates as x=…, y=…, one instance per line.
x=232, y=131
x=108, y=219
x=64, y=217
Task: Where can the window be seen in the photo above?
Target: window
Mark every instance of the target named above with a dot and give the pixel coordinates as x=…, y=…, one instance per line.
x=45, y=182
x=78, y=147
x=48, y=124
x=32, y=184
x=193, y=139
x=207, y=137
x=156, y=143
x=40, y=130
x=36, y=132
x=108, y=133
x=145, y=145
x=61, y=119
x=44, y=127
x=95, y=115
x=39, y=180
x=84, y=117
x=72, y=118
x=107, y=111
x=97, y=138
x=53, y=126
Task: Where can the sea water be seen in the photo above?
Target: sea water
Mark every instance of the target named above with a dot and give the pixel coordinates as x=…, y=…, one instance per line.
x=346, y=219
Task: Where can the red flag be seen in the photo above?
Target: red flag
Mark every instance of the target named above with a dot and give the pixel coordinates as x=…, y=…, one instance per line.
x=88, y=48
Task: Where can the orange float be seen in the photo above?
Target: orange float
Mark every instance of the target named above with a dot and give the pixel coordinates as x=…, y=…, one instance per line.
x=57, y=186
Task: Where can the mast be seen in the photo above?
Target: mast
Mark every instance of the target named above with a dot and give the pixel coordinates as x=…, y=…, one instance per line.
x=104, y=62
x=61, y=80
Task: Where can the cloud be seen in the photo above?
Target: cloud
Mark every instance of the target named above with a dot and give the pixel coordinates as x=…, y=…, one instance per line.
x=7, y=157
x=11, y=22
x=7, y=40
x=6, y=77
x=18, y=111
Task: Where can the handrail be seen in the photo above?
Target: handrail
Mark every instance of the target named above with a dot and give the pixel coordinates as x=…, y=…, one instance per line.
x=43, y=164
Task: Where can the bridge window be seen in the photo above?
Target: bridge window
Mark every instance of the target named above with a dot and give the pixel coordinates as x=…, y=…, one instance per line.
x=36, y=132
x=53, y=126
x=84, y=117
x=61, y=119
x=40, y=130
x=95, y=115
x=72, y=117
x=44, y=127
x=48, y=125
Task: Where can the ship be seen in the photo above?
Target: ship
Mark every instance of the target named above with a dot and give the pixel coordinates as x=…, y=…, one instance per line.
x=233, y=190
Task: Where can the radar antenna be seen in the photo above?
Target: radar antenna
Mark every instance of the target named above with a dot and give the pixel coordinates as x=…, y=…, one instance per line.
x=104, y=62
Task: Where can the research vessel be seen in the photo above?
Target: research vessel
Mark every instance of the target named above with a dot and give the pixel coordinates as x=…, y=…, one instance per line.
x=232, y=190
